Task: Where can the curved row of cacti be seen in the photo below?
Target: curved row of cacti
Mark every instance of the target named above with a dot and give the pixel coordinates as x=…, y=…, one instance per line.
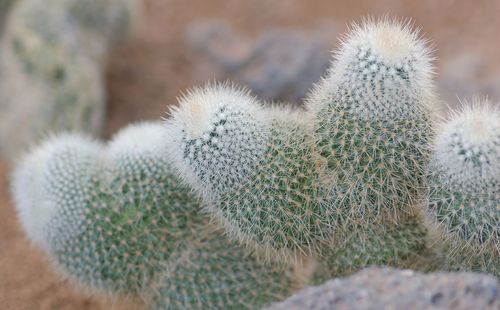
x=58, y=50
x=235, y=204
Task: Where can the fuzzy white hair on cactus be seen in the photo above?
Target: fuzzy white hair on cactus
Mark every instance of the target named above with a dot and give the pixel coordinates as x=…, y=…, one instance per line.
x=32, y=183
x=468, y=145
x=385, y=65
x=145, y=139
x=216, y=132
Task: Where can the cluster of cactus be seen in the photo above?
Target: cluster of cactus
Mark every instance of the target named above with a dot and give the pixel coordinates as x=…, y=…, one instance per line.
x=233, y=203
x=57, y=49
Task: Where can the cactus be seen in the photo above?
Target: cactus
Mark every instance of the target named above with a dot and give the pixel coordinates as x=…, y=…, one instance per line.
x=116, y=219
x=373, y=123
x=252, y=165
x=108, y=217
x=342, y=184
x=216, y=273
x=375, y=245
x=464, y=182
x=276, y=183
x=49, y=49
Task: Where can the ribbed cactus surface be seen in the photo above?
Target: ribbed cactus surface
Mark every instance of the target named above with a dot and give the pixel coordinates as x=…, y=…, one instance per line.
x=214, y=272
x=373, y=122
x=465, y=188
x=109, y=216
x=254, y=167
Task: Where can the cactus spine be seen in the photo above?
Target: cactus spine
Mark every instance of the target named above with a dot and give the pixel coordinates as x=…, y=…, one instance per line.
x=253, y=166
x=114, y=218
x=464, y=183
x=216, y=273
x=373, y=123
x=109, y=217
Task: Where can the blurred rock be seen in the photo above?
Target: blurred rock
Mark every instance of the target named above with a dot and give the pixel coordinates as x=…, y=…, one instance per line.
x=388, y=288
x=280, y=65
x=53, y=57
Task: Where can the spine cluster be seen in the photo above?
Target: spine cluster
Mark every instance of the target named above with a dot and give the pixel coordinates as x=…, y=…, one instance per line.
x=464, y=184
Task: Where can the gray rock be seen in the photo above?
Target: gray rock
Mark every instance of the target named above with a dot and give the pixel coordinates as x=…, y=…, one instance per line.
x=387, y=288
x=279, y=65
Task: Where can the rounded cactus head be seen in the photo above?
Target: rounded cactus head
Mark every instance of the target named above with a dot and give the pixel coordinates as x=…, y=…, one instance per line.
x=107, y=216
x=464, y=179
x=63, y=168
x=467, y=152
x=382, y=71
x=217, y=137
x=253, y=166
x=465, y=175
x=373, y=113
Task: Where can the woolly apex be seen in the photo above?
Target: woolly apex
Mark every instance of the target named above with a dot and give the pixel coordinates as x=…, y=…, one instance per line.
x=201, y=107
x=215, y=131
x=468, y=146
x=381, y=64
x=146, y=138
x=32, y=184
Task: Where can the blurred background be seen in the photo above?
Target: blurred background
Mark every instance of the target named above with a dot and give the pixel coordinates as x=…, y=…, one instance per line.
x=276, y=48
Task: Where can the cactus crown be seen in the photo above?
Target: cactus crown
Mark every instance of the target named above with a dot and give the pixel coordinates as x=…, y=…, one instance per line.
x=465, y=176
x=373, y=122
x=468, y=148
x=382, y=71
x=219, y=131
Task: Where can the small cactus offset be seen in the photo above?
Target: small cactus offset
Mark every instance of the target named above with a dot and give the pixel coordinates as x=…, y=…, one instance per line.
x=464, y=184
x=108, y=217
x=49, y=49
x=214, y=272
x=253, y=166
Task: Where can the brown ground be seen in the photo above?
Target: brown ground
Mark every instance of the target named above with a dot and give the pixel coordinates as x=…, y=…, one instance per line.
x=150, y=71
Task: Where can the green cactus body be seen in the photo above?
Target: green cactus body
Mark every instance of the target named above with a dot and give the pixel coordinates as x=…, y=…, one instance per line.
x=110, y=217
x=379, y=245
x=465, y=189
x=216, y=273
x=373, y=123
x=253, y=166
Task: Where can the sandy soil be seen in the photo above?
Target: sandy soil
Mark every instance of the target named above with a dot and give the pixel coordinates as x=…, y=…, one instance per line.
x=149, y=72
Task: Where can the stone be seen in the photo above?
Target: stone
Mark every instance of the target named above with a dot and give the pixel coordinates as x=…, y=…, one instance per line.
x=387, y=288
x=279, y=65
